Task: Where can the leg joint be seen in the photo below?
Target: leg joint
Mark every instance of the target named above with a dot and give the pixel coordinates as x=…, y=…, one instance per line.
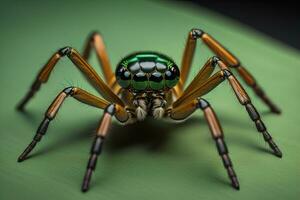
x=226, y=161
x=215, y=60
x=196, y=33
x=69, y=90
x=202, y=104
x=93, y=34
x=110, y=109
x=227, y=73
x=221, y=145
x=97, y=145
x=267, y=136
x=260, y=126
x=38, y=137
x=43, y=126
x=252, y=112
x=92, y=162
x=65, y=51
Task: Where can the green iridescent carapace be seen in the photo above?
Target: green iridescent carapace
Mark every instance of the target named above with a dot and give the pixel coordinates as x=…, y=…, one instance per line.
x=147, y=71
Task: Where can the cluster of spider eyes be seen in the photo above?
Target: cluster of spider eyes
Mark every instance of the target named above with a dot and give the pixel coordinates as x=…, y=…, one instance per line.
x=147, y=75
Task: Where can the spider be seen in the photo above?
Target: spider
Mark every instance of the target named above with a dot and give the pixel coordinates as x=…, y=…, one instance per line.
x=150, y=84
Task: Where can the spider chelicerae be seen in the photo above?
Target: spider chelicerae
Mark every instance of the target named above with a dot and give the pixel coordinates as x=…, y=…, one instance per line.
x=149, y=84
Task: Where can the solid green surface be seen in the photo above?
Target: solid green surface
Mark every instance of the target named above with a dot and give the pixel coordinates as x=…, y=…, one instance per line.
x=150, y=160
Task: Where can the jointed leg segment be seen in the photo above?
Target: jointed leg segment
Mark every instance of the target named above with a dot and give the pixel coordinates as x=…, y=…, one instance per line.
x=78, y=94
x=205, y=72
x=225, y=55
x=183, y=111
x=102, y=131
x=217, y=134
x=84, y=97
x=113, y=104
x=95, y=41
x=240, y=93
x=244, y=99
x=90, y=74
x=187, y=100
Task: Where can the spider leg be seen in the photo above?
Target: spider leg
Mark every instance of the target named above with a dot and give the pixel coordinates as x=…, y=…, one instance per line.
x=89, y=73
x=224, y=54
x=241, y=95
x=204, y=73
x=101, y=133
x=95, y=41
x=215, y=129
x=50, y=114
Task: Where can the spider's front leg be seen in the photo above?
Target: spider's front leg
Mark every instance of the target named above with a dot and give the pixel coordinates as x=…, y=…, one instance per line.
x=182, y=112
x=79, y=62
x=225, y=55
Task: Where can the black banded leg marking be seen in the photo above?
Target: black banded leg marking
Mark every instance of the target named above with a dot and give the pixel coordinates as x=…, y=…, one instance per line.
x=218, y=136
x=97, y=145
x=95, y=152
x=49, y=116
x=223, y=152
x=232, y=62
x=245, y=100
x=254, y=115
x=41, y=131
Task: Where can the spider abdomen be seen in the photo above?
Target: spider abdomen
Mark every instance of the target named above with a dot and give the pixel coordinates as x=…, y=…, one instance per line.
x=147, y=71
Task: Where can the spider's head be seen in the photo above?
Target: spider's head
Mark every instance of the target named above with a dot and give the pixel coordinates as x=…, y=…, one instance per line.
x=147, y=71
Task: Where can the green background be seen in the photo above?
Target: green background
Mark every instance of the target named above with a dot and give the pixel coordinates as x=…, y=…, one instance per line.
x=150, y=160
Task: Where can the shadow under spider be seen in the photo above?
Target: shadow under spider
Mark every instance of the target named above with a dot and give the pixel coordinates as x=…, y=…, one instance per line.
x=152, y=134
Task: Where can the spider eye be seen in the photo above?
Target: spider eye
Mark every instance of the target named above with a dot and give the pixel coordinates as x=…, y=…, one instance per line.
x=140, y=81
x=161, y=67
x=134, y=68
x=172, y=77
x=156, y=81
x=123, y=77
x=147, y=66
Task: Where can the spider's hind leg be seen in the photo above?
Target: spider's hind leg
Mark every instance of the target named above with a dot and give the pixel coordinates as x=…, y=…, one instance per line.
x=96, y=41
